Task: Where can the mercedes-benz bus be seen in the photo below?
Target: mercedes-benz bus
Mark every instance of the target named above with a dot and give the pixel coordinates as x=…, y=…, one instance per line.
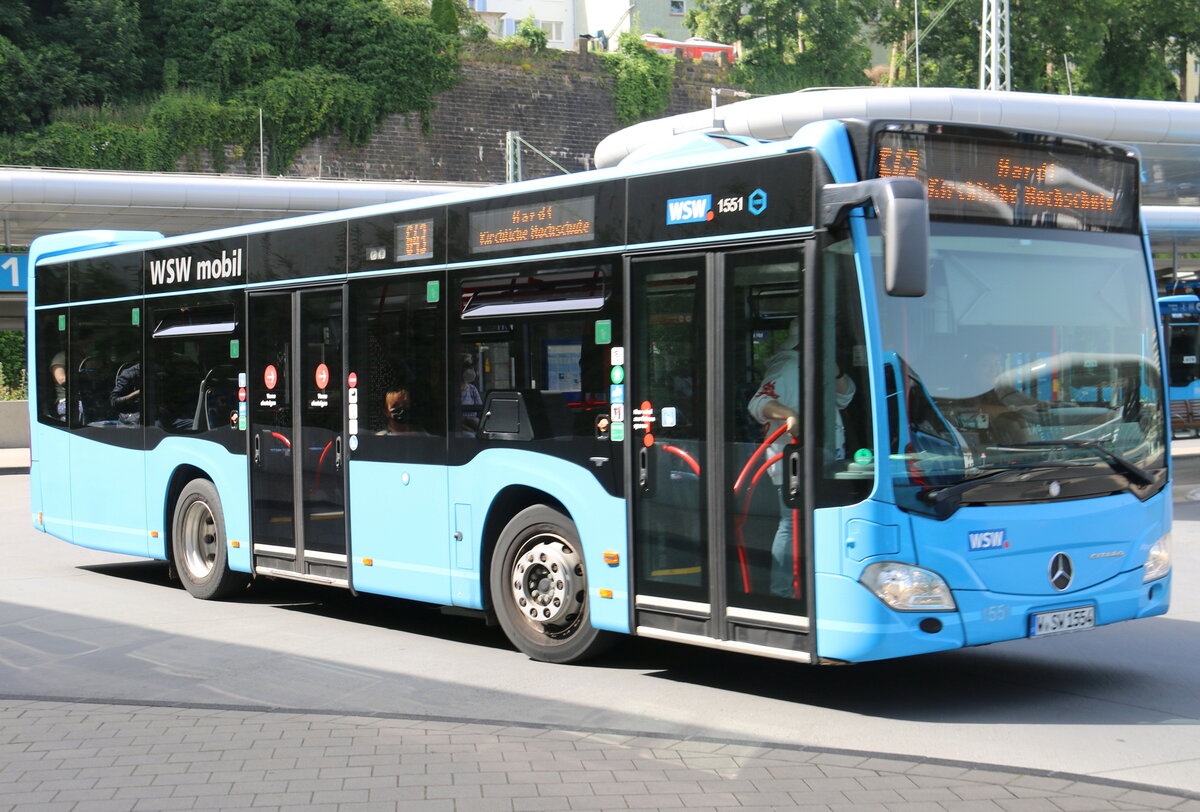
x=875, y=389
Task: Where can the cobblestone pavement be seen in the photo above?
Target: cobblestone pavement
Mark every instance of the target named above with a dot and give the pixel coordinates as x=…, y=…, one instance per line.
x=94, y=756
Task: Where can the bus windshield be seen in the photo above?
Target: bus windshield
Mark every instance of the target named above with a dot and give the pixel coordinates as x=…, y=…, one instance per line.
x=1033, y=355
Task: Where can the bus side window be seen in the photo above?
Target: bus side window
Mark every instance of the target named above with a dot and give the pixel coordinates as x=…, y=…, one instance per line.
x=397, y=351
x=847, y=430
x=105, y=372
x=536, y=335
x=192, y=382
x=52, y=367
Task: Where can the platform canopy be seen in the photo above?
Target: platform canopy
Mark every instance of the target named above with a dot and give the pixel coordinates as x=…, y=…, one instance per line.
x=37, y=201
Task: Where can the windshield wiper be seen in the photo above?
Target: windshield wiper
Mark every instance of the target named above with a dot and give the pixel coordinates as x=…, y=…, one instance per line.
x=1120, y=464
x=945, y=499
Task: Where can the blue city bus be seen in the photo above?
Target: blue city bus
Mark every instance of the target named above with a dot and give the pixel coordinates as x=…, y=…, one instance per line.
x=878, y=389
x=1181, y=336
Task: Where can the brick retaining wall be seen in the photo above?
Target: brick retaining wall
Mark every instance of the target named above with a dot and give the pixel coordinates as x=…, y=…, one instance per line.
x=560, y=101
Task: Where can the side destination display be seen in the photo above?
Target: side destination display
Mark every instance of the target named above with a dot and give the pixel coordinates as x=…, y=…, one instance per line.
x=566, y=219
x=757, y=195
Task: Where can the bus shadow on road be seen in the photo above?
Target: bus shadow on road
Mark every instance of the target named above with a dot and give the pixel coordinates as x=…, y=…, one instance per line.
x=1105, y=676
x=398, y=614
x=1108, y=676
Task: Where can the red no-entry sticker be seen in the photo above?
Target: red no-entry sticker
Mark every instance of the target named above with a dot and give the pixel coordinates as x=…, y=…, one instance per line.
x=352, y=380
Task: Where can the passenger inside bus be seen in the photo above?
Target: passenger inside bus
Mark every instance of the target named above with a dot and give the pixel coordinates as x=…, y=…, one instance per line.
x=469, y=396
x=775, y=405
x=397, y=415
x=126, y=397
x=58, y=369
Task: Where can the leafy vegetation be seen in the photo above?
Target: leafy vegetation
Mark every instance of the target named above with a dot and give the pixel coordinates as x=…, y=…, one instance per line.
x=642, y=79
x=832, y=33
x=170, y=79
x=530, y=35
x=13, y=385
x=1121, y=48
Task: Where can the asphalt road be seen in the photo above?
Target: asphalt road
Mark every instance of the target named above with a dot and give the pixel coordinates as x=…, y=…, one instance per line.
x=1119, y=702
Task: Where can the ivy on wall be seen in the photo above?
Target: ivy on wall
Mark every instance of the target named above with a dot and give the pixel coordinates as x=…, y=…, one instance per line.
x=642, y=79
x=189, y=76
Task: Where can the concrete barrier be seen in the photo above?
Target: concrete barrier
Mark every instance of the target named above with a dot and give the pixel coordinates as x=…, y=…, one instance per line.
x=14, y=424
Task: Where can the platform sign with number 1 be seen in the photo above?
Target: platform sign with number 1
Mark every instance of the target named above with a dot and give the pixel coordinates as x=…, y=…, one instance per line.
x=13, y=272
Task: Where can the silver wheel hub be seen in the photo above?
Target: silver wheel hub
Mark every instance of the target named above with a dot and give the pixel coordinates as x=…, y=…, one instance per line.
x=199, y=530
x=546, y=578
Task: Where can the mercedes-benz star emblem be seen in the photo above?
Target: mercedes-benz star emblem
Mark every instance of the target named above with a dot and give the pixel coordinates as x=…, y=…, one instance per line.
x=1061, y=571
x=1055, y=489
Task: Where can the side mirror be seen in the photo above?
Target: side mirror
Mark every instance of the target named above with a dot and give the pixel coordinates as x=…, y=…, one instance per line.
x=903, y=210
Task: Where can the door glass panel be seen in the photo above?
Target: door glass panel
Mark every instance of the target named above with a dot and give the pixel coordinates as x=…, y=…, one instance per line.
x=665, y=416
x=765, y=555
x=321, y=386
x=270, y=397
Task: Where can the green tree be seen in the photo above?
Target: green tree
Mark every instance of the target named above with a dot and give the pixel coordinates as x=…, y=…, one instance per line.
x=789, y=44
x=253, y=39
x=444, y=16
x=1120, y=48
x=105, y=39
x=771, y=25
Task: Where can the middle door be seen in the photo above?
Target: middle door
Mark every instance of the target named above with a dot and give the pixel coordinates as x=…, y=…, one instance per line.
x=298, y=483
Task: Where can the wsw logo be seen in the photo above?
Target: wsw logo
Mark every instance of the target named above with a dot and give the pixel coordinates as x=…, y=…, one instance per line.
x=987, y=540
x=689, y=209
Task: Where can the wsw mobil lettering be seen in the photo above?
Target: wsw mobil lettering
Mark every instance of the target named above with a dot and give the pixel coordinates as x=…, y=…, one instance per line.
x=180, y=269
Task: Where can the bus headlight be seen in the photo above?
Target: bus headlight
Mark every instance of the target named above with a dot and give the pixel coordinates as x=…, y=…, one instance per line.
x=1158, y=562
x=906, y=588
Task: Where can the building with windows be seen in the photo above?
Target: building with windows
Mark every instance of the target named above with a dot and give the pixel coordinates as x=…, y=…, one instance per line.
x=605, y=19
x=555, y=17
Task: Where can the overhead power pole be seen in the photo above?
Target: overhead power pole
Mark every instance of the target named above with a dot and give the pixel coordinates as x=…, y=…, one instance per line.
x=994, y=54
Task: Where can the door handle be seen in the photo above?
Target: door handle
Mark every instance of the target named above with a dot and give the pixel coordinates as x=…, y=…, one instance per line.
x=337, y=453
x=257, y=449
x=645, y=475
x=792, y=476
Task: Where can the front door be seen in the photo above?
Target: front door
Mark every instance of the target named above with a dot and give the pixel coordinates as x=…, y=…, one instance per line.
x=297, y=458
x=722, y=555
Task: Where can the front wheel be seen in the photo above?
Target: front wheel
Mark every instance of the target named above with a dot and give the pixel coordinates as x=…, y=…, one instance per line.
x=198, y=544
x=539, y=588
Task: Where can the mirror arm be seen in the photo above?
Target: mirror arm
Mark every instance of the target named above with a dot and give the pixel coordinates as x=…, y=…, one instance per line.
x=903, y=211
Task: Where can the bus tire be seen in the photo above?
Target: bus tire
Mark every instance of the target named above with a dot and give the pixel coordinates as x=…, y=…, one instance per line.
x=539, y=588
x=198, y=544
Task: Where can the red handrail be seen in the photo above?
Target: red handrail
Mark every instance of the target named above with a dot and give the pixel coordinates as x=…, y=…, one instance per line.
x=281, y=439
x=774, y=436
x=686, y=457
x=747, y=586
x=317, y=473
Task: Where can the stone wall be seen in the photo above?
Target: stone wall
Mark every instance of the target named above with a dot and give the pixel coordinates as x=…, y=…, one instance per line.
x=561, y=102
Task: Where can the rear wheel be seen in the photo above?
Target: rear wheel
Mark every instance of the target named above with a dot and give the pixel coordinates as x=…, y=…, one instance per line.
x=539, y=588
x=198, y=543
